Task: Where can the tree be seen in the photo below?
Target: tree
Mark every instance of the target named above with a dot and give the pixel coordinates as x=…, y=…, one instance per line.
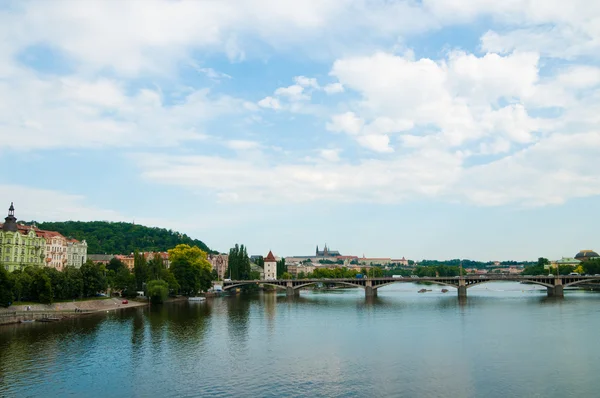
x=281, y=267
x=94, y=278
x=239, y=263
x=156, y=266
x=21, y=284
x=158, y=291
x=168, y=277
x=191, y=269
x=115, y=265
x=42, y=287
x=591, y=267
x=286, y=275
x=6, y=287
x=140, y=269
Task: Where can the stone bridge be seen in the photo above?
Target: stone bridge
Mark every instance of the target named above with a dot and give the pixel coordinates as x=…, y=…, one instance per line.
x=554, y=284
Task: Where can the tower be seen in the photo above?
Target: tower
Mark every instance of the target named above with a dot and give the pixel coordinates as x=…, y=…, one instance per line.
x=317, y=252
x=270, y=266
x=10, y=222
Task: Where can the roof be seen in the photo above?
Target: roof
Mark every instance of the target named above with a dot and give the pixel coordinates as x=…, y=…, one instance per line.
x=270, y=257
x=586, y=254
x=568, y=260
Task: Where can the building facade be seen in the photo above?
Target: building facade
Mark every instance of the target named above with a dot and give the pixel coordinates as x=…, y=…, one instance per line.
x=56, y=250
x=270, y=266
x=20, y=246
x=220, y=263
x=76, y=253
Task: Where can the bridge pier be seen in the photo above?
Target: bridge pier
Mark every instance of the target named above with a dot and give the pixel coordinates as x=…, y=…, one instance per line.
x=462, y=292
x=370, y=291
x=291, y=292
x=556, y=291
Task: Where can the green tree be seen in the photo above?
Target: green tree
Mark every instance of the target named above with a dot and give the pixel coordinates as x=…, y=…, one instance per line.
x=140, y=269
x=158, y=291
x=94, y=278
x=22, y=285
x=286, y=275
x=239, y=263
x=168, y=277
x=115, y=265
x=73, y=283
x=591, y=267
x=191, y=269
x=281, y=267
x=156, y=266
x=6, y=287
x=42, y=287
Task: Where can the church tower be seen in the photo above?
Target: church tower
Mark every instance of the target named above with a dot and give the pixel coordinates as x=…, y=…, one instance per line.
x=10, y=222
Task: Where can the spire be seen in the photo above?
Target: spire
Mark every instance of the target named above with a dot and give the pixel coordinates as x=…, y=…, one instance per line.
x=317, y=252
x=10, y=222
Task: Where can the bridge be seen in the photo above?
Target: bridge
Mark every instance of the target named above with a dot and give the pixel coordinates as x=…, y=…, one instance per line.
x=554, y=284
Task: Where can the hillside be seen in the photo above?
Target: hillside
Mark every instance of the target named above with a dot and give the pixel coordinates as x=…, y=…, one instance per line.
x=105, y=237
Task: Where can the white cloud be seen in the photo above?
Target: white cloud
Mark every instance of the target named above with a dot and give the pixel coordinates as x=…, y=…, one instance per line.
x=331, y=155
x=55, y=112
x=242, y=145
x=306, y=81
x=213, y=74
x=346, y=122
x=294, y=92
x=270, y=102
x=375, y=142
x=334, y=88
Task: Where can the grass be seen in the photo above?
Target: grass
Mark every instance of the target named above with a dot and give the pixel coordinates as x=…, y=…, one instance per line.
x=61, y=301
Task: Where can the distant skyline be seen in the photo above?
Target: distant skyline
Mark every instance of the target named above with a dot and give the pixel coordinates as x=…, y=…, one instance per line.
x=431, y=129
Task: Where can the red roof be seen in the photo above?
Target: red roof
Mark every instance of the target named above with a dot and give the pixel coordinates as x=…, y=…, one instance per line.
x=270, y=257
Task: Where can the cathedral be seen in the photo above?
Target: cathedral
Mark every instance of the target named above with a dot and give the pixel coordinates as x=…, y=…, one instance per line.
x=326, y=252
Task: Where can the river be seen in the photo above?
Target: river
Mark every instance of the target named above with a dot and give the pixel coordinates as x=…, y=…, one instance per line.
x=506, y=340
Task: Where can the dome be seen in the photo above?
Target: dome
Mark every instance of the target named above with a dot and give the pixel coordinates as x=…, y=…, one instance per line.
x=586, y=254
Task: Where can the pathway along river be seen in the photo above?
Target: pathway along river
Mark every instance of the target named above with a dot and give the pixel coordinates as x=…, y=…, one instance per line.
x=507, y=340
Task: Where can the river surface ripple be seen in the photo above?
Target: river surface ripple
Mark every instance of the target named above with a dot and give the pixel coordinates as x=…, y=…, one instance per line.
x=506, y=340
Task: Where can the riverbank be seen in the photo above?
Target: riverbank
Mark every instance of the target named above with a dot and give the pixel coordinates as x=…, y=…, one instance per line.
x=18, y=313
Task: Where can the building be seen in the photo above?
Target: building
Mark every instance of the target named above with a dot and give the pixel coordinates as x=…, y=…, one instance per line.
x=568, y=261
x=402, y=261
x=127, y=259
x=20, y=246
x=100, y=258
x=585, y=255
x=374, y=260
x=149, y=256
x=270, y=266
x=56, y=250
x=220, y=263
x=326, y=252
x=76, y=253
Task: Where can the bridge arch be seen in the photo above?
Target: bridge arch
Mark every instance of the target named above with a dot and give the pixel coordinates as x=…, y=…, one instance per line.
x=297, y=287
x=582, y=281
x=228, y=287
x=532, y=281
x=413, y=281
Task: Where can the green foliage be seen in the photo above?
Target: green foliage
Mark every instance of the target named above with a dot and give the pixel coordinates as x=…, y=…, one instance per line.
x=115, y=265
x=156, y=267
x=121, y=238
x=140, y=269
x=239, y=263
x=168, y=276
x=42, y=287
x=332, y=273
x=591, y=267
x=6, y=287
x=94, y=278
x=281, y=268
x=191, y=269
x=286, y=275
x=158, y=291
x=254, y=275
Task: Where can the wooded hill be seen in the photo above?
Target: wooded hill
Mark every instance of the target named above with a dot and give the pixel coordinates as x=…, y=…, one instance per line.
x=105, y=237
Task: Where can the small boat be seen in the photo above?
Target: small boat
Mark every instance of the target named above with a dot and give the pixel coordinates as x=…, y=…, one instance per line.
x=422, y=291
x=27, y=320
x=444, y=290
x=196, y=298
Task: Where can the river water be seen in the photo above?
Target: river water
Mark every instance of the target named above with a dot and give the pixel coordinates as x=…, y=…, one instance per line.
x=506, y=340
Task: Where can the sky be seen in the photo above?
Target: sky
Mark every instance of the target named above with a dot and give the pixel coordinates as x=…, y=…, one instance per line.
x=430, y=129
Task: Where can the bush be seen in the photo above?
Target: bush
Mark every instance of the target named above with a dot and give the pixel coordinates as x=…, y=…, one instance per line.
x=158, y=291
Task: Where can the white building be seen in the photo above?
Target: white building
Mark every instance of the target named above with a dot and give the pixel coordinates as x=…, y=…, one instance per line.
x=76, y=253
x=270, y=267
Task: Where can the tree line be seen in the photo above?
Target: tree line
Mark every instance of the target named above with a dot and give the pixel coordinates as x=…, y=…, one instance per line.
x=105, y=237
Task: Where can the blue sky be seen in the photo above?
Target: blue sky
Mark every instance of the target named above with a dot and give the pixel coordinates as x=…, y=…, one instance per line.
x=424, y=129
